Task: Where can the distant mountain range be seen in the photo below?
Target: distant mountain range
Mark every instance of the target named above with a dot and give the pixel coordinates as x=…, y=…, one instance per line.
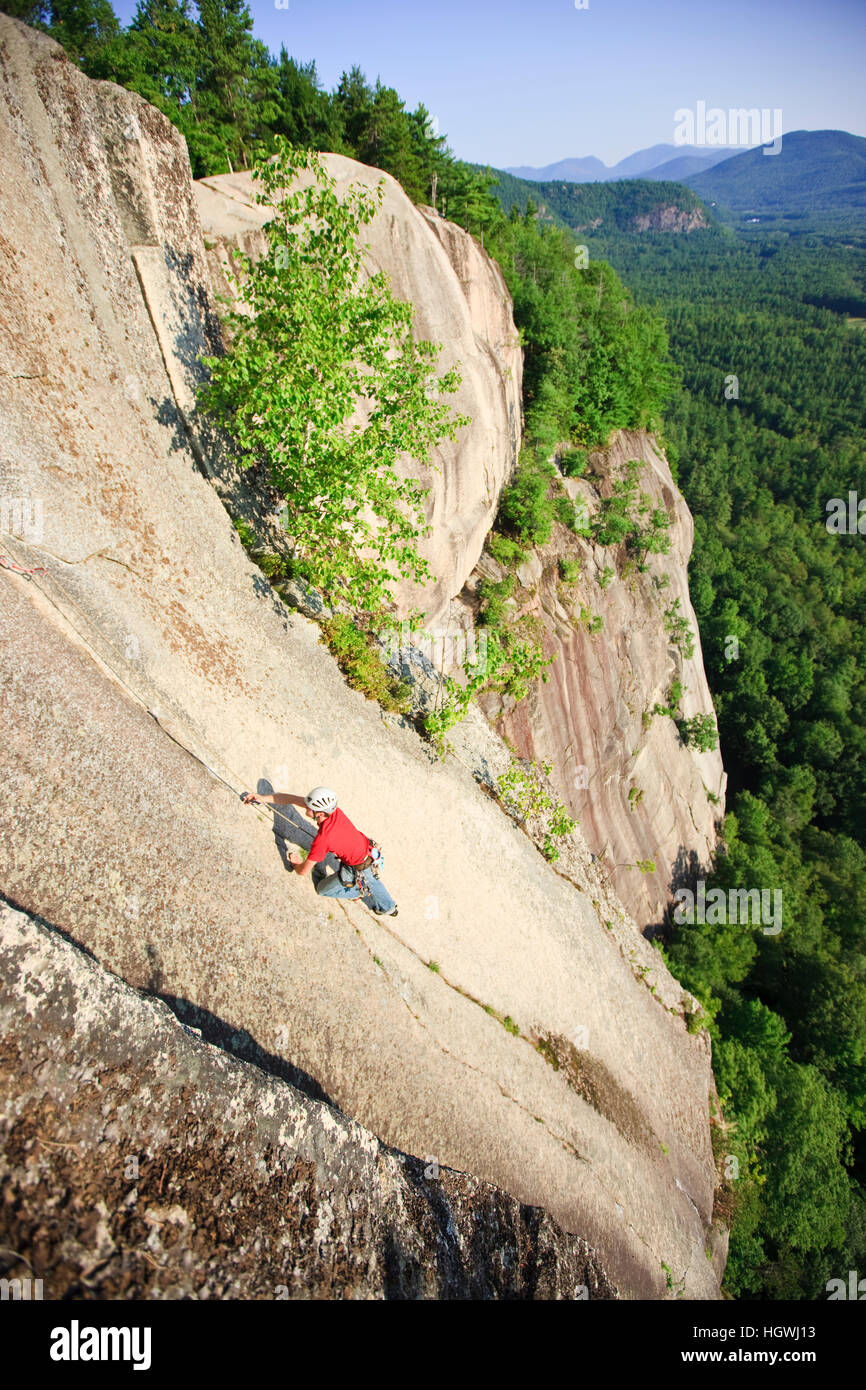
x=655, y=162
x=815, y=171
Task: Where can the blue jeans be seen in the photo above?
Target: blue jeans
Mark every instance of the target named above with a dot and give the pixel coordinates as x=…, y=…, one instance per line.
x=373, y=891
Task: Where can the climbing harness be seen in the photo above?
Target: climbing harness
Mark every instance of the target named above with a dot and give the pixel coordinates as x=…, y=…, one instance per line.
x=349, y=873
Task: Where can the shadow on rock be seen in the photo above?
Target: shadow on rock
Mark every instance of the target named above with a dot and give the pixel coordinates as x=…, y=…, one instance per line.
x=241, y=1044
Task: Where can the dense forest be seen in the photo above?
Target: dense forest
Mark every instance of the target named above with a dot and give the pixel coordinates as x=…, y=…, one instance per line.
x=584, y=205
x=766, y=429
x=765, y=426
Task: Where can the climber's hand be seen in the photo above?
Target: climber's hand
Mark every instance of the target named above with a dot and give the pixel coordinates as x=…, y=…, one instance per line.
x=249, y=797
x=295, y=858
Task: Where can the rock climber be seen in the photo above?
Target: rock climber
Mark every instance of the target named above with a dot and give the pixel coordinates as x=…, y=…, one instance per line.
x=360, y=857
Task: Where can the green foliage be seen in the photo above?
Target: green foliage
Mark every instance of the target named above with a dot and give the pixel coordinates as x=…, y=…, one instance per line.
x=569, y=570
x=512, y=659
x=85, y=28
x=672, y=708
x=493, y=595
x=275, y=567
x=757, y=471
x=524, y=796
x=522, y=663
x=605, y=577
x=362, y=664
x=311, y=340
x=618, y=205
x=700, y=732
x=510, y=1026
x=511, y=663
x=628, y=516
x=559, y=825
x=522, y=792
x=525, y=508
x=505, y=551
x=574, y=463
x=593, y=361
x=824, y=171
x=678, y=629
x=233, y=100
x=246, y=533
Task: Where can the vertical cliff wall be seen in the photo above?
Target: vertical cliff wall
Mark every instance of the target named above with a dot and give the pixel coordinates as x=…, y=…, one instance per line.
x=639, y=792
x=148, y=673
x=460, y=302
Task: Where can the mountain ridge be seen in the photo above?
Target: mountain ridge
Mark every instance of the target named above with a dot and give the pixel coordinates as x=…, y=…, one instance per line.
x=644, y=163
x=815, y=170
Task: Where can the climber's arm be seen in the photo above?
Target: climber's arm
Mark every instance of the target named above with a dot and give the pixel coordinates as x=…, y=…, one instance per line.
x=275, y=798
x=302, y=866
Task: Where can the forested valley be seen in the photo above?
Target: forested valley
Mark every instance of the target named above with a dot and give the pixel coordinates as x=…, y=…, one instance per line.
x=766, y=428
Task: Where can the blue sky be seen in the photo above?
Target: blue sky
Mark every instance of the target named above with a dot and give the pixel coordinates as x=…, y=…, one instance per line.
x=533, y=81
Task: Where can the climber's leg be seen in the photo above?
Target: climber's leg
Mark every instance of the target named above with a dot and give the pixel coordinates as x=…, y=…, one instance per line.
x=377, y=897
x=329, y=885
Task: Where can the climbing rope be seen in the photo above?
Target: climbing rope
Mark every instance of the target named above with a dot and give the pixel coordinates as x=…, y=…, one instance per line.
x=18, y=569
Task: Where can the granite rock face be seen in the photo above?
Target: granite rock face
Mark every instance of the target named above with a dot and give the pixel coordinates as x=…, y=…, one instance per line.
x=142, y=1161
x=638, y=791
x=149, y=673
x=461, y=302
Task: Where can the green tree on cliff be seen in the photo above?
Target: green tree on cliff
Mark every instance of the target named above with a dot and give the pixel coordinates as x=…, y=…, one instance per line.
x=325, y=384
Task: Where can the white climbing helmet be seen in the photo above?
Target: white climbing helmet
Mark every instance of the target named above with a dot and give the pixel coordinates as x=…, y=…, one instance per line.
x=322, y=799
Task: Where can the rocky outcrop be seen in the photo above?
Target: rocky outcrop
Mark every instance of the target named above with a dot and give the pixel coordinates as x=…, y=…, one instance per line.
x=144, y=1160
x=461, y=302
x=149, y=673
x=668, y=218
x=639, y=793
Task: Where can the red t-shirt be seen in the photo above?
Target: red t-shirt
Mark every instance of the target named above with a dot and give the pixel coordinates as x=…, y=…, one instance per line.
x=337, y=835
